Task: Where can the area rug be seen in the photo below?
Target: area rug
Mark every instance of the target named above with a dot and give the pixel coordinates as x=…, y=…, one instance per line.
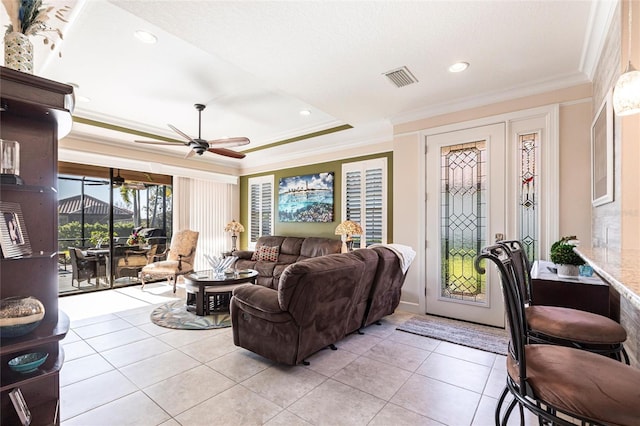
x=175, y=315
x=477, y=336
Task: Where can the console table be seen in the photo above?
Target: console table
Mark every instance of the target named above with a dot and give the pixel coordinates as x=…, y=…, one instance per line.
x=584, y=293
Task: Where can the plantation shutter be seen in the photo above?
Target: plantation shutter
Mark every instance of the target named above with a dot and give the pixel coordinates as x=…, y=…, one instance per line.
x=373, y=206
x=260, y=208
x=364, y=195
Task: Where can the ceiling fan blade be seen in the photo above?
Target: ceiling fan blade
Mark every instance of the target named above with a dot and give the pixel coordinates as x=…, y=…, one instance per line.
x=227, y=152
x=160, y=143
x=190, y=154
x=180, y=132
x=237, y=141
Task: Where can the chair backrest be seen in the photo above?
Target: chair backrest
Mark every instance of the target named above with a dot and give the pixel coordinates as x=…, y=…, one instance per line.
x=75, y=254
x=514, y=304
x=151, y=253
x=521, y=266
x=184, y=244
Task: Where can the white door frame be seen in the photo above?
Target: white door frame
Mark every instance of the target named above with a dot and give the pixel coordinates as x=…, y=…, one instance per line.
x=550, y=163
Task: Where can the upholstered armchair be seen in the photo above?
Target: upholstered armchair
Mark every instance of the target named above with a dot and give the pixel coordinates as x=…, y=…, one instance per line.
x=179, y=261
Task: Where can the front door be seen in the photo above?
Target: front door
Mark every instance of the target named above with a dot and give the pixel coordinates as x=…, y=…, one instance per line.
x=465, y=210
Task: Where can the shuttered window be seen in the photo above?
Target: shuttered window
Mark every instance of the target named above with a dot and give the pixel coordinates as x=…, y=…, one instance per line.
x=260, y=208
x=364, y=195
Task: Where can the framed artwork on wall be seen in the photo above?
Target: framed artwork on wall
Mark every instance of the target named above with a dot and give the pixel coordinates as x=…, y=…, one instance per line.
x=602, y=154
x=13, y=232
x=306, y=198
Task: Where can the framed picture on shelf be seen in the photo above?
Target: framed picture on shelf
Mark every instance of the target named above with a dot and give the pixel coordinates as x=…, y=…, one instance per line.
x=13, y=231
x=602, y=154
x=21, y=406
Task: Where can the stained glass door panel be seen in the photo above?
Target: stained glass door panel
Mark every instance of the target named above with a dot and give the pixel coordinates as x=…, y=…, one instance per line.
x=465, y=207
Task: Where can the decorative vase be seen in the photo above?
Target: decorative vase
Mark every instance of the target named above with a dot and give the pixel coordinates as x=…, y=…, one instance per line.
x=19, y=315
x=18, y=52
x=568, y=271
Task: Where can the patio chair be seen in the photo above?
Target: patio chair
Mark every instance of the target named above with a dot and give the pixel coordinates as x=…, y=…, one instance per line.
x=82, y=267
x=134, y=260
x=179, y=261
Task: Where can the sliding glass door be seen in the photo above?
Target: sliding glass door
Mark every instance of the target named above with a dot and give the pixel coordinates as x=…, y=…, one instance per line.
x=89, y=207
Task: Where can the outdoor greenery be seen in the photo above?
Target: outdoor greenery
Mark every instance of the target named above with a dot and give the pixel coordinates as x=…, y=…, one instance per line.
x=69, y=234
x=463, y=277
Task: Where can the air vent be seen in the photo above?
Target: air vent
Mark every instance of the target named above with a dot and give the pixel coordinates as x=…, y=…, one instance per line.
x=401, y=77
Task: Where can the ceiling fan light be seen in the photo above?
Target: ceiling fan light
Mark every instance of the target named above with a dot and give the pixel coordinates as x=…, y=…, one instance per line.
x=626, y=93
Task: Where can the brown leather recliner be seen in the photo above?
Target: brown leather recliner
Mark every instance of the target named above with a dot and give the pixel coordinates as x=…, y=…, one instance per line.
x=311, y=308
x=386, y=289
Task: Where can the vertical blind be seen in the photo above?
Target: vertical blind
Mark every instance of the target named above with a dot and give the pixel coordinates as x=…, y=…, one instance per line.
x=206, y=207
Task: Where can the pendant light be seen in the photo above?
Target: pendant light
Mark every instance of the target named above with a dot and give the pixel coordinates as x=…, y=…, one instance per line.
x=626, y=94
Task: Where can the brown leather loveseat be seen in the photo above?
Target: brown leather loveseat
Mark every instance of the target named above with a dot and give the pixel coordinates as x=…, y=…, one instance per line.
x=274, y=253
x=316, y=302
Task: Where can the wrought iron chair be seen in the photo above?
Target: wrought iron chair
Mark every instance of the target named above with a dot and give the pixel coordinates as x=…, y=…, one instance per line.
x=565, y=326
x=134, y=260
x=82, y=267
x=556, y=382
x=179, y=261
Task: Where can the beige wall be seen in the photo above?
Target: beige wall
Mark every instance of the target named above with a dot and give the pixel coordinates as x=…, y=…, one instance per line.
x=617, y=224
x=630, y=143
x=575, y=173
x=409, y=175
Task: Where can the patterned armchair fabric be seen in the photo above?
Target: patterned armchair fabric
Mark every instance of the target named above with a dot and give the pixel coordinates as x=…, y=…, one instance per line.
x=179, y=259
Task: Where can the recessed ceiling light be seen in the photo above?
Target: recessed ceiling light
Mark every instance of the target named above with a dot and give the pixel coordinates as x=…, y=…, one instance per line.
x=305, y=112
x=81, y=98
x=145, y=36
x=459, y=66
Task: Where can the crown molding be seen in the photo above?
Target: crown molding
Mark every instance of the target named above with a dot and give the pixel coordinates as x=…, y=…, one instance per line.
x=491, y=98
x=600, y=19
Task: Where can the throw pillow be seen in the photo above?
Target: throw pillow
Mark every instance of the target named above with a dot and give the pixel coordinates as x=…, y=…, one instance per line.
x=267, y=254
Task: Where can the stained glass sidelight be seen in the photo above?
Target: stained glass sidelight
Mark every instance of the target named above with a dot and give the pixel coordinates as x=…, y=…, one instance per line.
x=463, y=220
x=528, y=196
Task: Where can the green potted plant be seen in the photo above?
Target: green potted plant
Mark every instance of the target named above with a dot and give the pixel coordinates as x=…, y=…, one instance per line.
x=567, y=261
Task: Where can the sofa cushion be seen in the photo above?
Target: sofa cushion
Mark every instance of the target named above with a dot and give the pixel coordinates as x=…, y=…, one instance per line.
x=315, y=246
x=266, y=253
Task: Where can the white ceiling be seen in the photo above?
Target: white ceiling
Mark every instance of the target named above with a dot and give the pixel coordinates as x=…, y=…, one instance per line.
x=256, y=64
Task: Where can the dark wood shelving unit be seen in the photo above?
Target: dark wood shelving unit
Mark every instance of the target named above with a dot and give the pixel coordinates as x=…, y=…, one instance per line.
x=35, y=112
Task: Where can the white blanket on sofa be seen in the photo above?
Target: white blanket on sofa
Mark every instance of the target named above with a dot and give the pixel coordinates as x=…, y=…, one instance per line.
x=405, y=253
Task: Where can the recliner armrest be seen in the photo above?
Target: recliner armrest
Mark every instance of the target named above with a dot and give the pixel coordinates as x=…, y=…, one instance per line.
x=243, y=254
x=257, y=297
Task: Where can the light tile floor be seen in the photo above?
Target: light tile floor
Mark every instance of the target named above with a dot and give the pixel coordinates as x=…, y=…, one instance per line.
x=121, y=369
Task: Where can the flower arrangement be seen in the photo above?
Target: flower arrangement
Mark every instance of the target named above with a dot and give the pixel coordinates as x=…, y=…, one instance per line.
x=30, y=17
x=136, y=239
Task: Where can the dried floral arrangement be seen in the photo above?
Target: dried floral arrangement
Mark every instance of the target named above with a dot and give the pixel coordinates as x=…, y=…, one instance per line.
x=30, y=17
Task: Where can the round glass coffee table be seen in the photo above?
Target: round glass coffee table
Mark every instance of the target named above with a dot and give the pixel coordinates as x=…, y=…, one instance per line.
x=212, y=292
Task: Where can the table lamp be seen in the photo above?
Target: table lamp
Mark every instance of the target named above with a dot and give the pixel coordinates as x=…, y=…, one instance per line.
x=349, y=229
x=234, y=227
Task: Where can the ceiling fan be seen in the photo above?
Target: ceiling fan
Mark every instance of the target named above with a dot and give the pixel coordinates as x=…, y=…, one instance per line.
x=199, y=145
